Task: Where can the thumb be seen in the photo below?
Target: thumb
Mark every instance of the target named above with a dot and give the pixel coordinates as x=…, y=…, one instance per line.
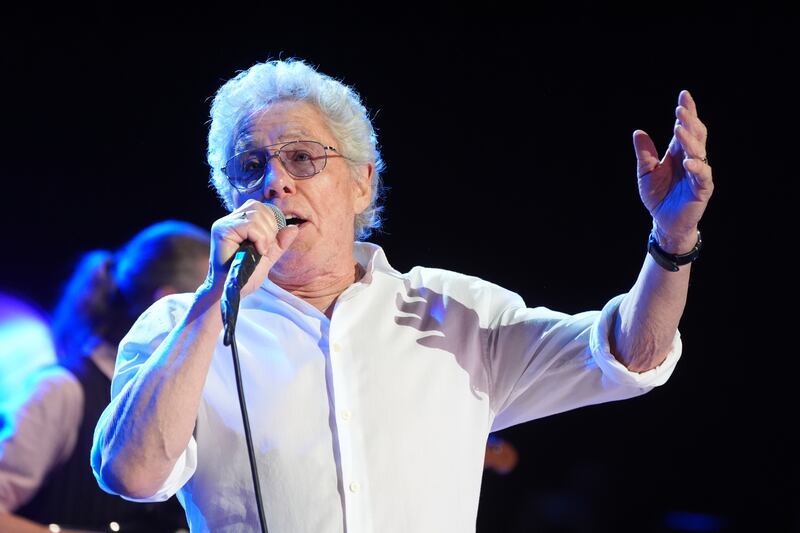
x=284, y=239
x=646, y=154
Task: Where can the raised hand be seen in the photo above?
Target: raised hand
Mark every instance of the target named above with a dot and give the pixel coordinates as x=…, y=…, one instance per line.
x=676, y=188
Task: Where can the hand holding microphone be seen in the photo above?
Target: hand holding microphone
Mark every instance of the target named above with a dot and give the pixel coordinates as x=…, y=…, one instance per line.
x=255, y=229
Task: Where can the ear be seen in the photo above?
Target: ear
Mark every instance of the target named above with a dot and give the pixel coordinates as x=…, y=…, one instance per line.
x=163, y=291
x=362, y=188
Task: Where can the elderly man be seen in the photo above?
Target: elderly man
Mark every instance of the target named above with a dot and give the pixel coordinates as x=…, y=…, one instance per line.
x=347, y=362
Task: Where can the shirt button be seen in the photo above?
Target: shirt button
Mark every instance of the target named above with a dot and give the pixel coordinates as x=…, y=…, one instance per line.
x=355, y=486
x=336, y=347
x=346, y=414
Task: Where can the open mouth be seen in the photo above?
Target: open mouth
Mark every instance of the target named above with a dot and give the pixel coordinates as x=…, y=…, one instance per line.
x=295, y=221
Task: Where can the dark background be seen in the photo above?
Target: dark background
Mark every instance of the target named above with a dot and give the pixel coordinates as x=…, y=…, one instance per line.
x=104, y=121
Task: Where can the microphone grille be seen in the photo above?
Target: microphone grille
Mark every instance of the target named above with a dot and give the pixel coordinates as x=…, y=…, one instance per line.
x=279, y=216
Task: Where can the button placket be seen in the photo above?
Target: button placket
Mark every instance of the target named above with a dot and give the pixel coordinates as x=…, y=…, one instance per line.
x=338, y=360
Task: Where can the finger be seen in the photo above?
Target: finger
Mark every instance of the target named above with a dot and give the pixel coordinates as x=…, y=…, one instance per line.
x=268, y=214
x=278, y=244
x=249, y=225
x=646, y=154
x=702, y=176
x=248, y=208
x=255, y=222
x=249, y=230
x=241, y=213
x=685, y=100
x=693, y=125
x=254, y=210
x=283, y=240
x=693, y=148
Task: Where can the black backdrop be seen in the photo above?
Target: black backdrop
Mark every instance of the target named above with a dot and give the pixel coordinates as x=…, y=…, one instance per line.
x=104, y=122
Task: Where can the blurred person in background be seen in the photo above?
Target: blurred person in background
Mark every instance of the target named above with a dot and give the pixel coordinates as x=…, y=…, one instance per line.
x=45, y=476
x=26, y=344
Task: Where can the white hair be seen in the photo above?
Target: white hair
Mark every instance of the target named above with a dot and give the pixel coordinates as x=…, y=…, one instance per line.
x=252, y=90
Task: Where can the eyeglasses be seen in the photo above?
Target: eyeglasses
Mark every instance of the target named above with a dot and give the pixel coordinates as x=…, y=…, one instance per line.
x=301, y=159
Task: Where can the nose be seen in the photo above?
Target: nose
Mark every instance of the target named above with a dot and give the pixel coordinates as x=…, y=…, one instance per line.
x=277, y=181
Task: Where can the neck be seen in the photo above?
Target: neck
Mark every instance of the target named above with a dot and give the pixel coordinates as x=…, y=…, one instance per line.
x=321, y=291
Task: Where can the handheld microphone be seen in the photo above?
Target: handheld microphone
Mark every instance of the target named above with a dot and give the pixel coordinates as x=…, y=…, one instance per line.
x=243, y=265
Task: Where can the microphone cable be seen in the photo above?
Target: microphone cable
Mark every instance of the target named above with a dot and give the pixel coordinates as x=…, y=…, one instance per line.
x=243, y=265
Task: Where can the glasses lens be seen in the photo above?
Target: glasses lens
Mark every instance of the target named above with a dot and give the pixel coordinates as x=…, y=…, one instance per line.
x=303, y=159
x=246, y=169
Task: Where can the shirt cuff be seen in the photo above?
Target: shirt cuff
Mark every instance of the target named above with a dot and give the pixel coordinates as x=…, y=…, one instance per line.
x=181, y=473
x=183, y=470
x=616, y=371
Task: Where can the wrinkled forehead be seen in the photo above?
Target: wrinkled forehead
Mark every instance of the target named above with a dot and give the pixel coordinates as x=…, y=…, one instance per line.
x=279, y=122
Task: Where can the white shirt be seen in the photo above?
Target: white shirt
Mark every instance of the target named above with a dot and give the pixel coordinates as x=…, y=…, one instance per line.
x=375, y=420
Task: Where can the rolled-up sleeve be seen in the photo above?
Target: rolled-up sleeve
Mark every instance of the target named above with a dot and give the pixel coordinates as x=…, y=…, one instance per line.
x=136, y=347
x=616, y=371
x=542, y=362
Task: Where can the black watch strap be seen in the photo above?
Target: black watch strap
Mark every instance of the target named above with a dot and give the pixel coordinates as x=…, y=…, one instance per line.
x=670, y=261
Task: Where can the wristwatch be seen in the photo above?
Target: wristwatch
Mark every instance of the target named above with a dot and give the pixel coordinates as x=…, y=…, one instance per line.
x=670, y=261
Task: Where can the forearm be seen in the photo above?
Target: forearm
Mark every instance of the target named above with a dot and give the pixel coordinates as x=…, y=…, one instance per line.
x=648, y=316
x=155, y=414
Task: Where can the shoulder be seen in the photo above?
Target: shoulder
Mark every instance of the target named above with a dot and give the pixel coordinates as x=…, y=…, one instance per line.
x=441, y=280
x=170, y=307
x=455, y=281
x=149, y=330
x=51, y=394
x=471, y=291
x=53, y=383
x=160, y=317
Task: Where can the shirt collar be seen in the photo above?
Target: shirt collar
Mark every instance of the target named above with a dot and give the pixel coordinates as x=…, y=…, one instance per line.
x=370, y=256
x=373, y=259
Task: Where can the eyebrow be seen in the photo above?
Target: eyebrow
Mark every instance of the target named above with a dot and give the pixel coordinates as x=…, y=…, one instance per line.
x=245, y=139
x=293, y=136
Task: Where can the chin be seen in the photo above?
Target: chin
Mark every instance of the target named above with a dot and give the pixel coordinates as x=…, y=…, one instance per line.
x=300, y=247
x=293, y=260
